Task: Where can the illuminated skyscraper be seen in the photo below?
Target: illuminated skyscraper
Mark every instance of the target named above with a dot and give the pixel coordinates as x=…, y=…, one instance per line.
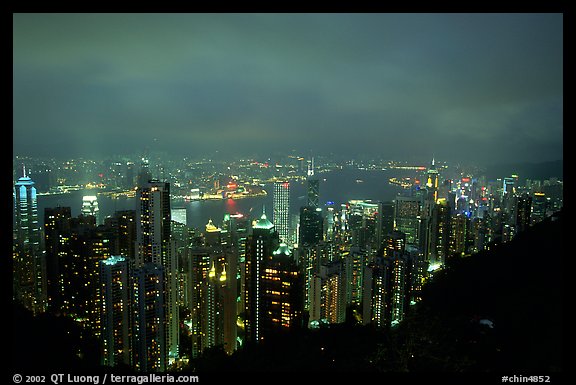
x=387, y=284
x=281, y=293
x=154, y=245
x=57, y=244
x=440, y=228
x=327, y=295
x=90, y=207
x=432, y=182
x=354, y=263
x=213, y=234
x=196, y=267
x=458, y=235
x=387, y=218
x=365, y=223
x=540, y=205
x=116, y=310
x=179, y=215
x=149, y=350
x=311, y=226
x=215, y=296
x=313, y=192
x=260, y=245
x=523, y=211
x=406, y=217
x=125, y=223
x=236, y=227
x=281, y=214
x=29, y=274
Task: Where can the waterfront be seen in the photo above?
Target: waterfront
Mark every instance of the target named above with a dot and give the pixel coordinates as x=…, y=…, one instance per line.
x=337, y=186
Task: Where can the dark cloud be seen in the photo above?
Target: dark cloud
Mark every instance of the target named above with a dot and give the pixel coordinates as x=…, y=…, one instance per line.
x=483, y=86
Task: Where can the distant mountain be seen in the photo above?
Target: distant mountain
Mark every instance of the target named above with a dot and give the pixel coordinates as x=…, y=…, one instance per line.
x=537, y=171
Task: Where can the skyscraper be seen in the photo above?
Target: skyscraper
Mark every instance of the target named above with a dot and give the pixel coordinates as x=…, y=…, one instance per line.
x=259, y=248
x=387, y=283
x=29, y=275
x=149, y=351
x=406, y=217
x=154, y=245
x=116, y=310
x=311, y=226
x=281, y=293
x=90, y=207
x=327, y=295
x=281, y=214
x=313, y=192
x=57, y=244
x=432, y=182
x=523, y=211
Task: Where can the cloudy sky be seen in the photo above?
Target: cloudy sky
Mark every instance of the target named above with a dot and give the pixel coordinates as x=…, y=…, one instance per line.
x=476, y=87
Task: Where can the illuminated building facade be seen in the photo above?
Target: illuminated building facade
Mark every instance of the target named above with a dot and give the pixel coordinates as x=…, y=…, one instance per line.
x=327, y=295
x=196, y=266
x=522, y=212
x=311, y=226
x=116, y=314
x=260, y=245
x=124, y=224
x=388, y=283
x=365, y=223
x=281, y=214
x=29, y=265
x=214, y=295
x=406, y=217
x=155, y=245
x=282, y=301
x=313, y=190
x=458, y=235
x=432, y=182
x=236, y=227
x=354, y=263
x=90, y=207
x=57, y=245
x=149, y=350
x=179, y=215
x=540, y=204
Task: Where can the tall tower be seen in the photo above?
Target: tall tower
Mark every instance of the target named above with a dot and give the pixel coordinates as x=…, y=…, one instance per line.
x=29, y=275
x=432, y=182
x=259, y=248
x=406, y=217
x=282, y=299
x=313, y=187
x=115, y=311
x=90, y=207
x=523, y=210
x=57, y=244
x=281, y=207
x=149, y=329
x=154, y=245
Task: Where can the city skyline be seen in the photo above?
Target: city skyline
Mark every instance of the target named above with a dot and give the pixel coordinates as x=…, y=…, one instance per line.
x=488, y=86
x=330, y=192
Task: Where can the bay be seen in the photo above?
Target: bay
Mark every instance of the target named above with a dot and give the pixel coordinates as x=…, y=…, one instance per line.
x=337, y=186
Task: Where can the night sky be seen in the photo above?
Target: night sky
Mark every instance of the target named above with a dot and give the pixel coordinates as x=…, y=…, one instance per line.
x=477, y=87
